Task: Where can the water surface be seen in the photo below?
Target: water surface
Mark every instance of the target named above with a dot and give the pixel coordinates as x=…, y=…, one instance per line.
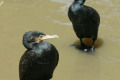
x=50, y=17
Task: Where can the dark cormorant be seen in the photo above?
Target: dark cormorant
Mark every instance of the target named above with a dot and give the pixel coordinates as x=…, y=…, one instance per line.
x=40, y=59
x=85, y=22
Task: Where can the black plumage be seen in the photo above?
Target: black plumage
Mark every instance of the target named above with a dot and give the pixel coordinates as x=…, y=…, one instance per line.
x=85, y=21
x=39, y=60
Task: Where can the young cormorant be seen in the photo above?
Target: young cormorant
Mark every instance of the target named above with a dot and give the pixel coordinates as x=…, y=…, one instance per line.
x=40, y=59
x=85, y=22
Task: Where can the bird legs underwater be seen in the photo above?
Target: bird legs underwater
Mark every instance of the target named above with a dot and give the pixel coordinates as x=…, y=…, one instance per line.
x=87, y=48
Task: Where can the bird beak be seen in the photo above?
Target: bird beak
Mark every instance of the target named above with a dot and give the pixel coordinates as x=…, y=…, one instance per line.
x=42, y=37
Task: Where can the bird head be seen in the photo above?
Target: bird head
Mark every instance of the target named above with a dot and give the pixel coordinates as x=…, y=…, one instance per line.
x=33, y=37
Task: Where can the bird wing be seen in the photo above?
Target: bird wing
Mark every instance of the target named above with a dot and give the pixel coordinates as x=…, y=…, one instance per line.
x=76, y=16
x=82, y=14
x=25, y=64
x=32, y=66
x=35, y=65
x=94, y=15
x=46, y=55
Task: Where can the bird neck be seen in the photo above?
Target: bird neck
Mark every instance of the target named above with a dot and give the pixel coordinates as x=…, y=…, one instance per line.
x=80, y=1
x=27, y=45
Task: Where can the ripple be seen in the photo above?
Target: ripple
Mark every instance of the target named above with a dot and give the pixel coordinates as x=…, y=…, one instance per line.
x=61, y=23
x=109, y=59
x=64, y=8
x=61, y=1
x=1, y=3
x=27, y=4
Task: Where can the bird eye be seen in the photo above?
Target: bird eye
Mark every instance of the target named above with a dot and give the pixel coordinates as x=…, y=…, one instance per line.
x=41, y=36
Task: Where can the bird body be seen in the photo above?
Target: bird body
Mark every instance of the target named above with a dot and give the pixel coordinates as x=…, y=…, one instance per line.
x=85, y=20
x=39, y=62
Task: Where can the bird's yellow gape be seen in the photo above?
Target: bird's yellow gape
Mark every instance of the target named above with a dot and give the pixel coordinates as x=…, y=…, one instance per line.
x=41, y=37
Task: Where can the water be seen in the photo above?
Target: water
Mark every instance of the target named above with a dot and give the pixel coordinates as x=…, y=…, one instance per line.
x=50, y=17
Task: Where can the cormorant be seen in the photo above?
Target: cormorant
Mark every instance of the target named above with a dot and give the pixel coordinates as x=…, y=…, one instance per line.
x=40, y=59
x=85, y=22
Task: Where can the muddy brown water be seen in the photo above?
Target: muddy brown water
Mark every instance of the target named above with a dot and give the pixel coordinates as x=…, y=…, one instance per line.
x=50, y=17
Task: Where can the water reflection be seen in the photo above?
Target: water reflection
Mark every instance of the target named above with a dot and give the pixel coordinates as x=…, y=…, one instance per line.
x=98, y=42
x=88, y=42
